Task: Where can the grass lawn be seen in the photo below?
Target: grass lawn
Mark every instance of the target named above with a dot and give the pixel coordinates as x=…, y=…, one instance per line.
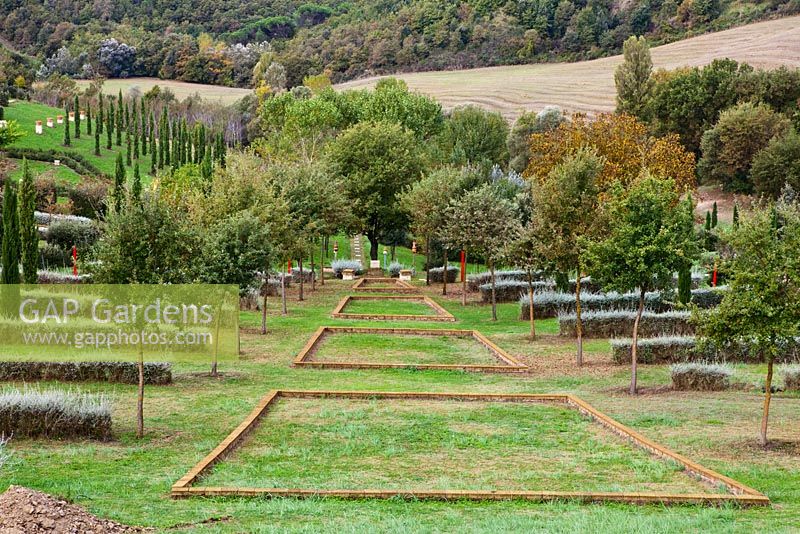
x=388, y=307
x=129, y=480
x=400, y=348
x=440, y=445
x=27, y=113
x=182, y=90
x=61, y=173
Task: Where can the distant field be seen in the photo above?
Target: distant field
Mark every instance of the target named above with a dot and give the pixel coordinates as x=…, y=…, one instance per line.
x=589, y=86
x=226, y=95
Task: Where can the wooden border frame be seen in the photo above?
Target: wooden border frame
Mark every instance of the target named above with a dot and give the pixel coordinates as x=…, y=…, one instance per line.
x=442, y=315
x=400, y=286
x=738, y=493
x=509, y=365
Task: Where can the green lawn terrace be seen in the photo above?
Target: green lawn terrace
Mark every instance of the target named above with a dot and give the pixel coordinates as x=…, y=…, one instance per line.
x=129, y=480
x=27, y=113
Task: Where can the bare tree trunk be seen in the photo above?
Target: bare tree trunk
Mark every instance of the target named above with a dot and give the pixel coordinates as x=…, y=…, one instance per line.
x=428, y=261
x=284, y=309
x=140, y=396
x=264, y=307
x=444, y=274
x=494, y=294
x=530, y=305
x=767, y=399
x=578, y=319
x=300, y=296
x=635, y=343
x=464, y=283
x=322, y=261
x=313, y=272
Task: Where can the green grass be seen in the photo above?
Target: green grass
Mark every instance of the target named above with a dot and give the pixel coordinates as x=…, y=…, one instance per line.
x=129, y=480
x=388, y=307
x=61, y=173
x=412, y=349
x=27, y=113
x=440, y=445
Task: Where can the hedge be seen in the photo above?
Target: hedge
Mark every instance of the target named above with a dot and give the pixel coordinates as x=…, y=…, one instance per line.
x=475, y=281
x=155, y=373
x=676, y=349
x=610, y=324
x=73, y=160
x=307, y=274
x=46, y=219
x=340, y=265
x=700, y=376
x=57, y=414
x=791, y=378
x=435, y=274
x=57, y=277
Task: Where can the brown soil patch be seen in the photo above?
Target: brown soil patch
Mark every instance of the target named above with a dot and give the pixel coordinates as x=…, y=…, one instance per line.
x=25, y=511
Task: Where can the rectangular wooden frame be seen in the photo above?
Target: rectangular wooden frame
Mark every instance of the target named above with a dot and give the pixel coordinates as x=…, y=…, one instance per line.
x=738, y=493
x=511, y=364
x=442, y=315
x=399, y=286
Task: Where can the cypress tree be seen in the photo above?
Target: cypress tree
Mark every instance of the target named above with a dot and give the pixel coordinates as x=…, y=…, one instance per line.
x=206, y=169
x=67, y=141
x=97, y=141
x=153, y=156
x=109, y=125
x=222, y=150
x=136, y=144
x=708, y=221
x=77, y=118
x=201, y=142
x=685, y=285
x=128, y=160
x=100, y=118
x=118, y=126
x=736, y=216
x=150, y=133
x=88, y=120
x=143, y=128
x=11, y=236
x=29, y=233
x=161, y=128
x=127, y=117
x=714, y=216
x=136, y=188
x=175, y=149
x=118, y=194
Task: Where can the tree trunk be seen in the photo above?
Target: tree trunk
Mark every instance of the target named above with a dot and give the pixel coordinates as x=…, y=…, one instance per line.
x=322, y=261
x=300, y=296
x=530, y=305
x=215, y=356
x=140, y=396
x=762, y=439
x=464, y=283
x=578, y=320
x=313, y=272
x=394, y=250
x=373, y=247
x=444, y=274
x=428, y=261
x=635, y=342
x=284, y=309
x=494, y=295
x=264, y=307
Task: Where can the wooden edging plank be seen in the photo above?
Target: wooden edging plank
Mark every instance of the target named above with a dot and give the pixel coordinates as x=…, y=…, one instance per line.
x=738, y=492
x=303, y=359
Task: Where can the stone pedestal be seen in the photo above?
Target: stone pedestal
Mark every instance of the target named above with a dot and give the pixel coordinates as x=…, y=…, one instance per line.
x=83, y=115
x=374, y=264
x=405, y=275
x=348, y=274
x=39, y=129
x=60, y=119
x=71, y=116
x=49, y=122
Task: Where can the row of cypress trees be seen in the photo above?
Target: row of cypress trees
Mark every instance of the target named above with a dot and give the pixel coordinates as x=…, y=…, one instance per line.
x=134, y=124
x=20, y=236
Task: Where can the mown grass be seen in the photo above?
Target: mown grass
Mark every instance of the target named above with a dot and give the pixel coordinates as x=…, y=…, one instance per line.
x=27, y=113
x=129, y=479
x=389, y=307
x=60, y=173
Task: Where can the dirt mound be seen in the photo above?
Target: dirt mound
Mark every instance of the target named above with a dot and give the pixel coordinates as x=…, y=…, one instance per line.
x=24, y=511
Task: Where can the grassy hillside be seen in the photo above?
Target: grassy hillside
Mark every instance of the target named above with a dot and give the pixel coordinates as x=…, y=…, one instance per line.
x=589, y=86
x=27, y=113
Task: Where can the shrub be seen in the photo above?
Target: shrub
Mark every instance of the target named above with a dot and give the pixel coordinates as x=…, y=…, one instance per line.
x=56, y=277
x=553, y=303
x=475, y=281
x=46, y=192
x=340, y=265
x=700, y=376
x=791, y=378
x=65, y=233
x=609, y=324
x=708, y=297
x=436, y=274
x=55, y=414
x=395, y=267
x=53, y=257
x=4, y=454
x=156, y=373
x=676, y=349
x=88, y=198
x=45, y=219
x=307, y=274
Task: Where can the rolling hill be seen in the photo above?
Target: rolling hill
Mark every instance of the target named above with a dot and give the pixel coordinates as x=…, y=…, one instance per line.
x=588, y=86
